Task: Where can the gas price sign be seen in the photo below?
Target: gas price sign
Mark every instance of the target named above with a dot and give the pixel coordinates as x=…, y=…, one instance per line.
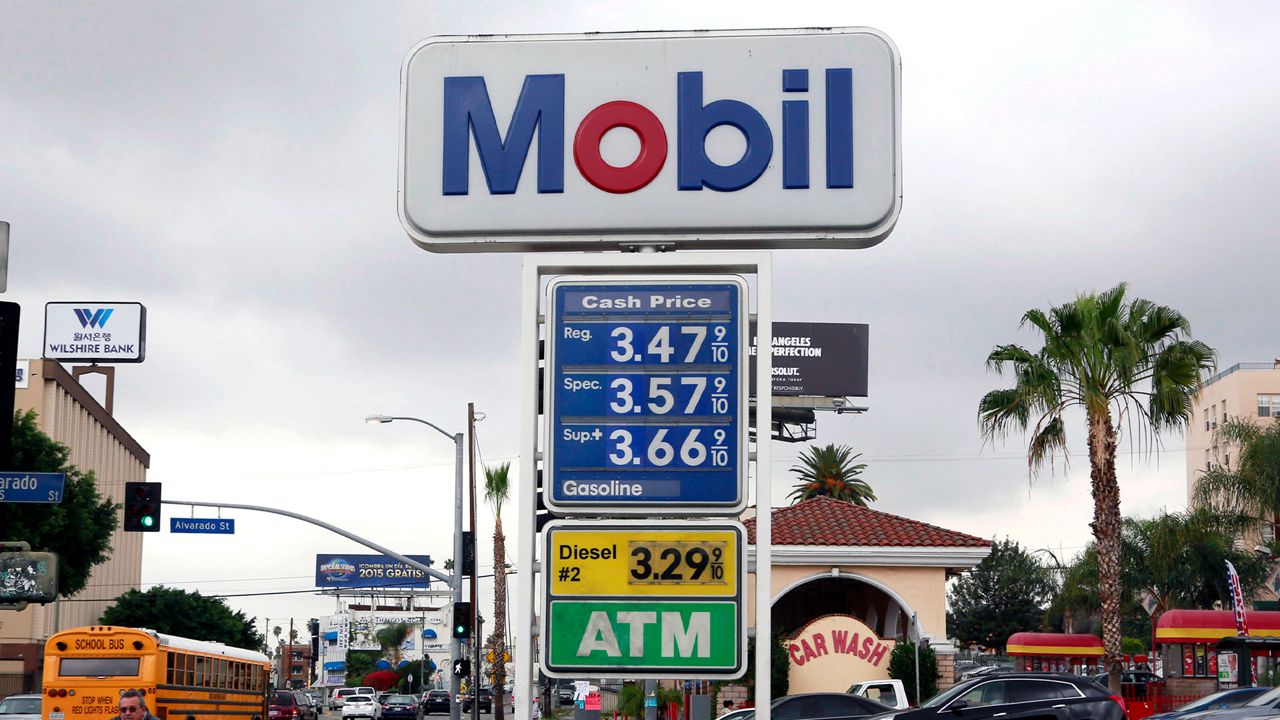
x=648, y=395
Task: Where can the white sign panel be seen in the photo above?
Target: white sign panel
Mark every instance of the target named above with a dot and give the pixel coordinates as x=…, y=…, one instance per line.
x=95, y=331
x=720, y=139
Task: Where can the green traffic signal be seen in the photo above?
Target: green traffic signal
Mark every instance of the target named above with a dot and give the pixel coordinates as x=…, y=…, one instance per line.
x=148, y=521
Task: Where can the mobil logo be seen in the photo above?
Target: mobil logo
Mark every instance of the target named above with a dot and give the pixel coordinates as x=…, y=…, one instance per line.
x=540, y=110
x=746, y=139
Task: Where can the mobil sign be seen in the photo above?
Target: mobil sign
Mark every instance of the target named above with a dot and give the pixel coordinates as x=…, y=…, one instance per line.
x=742, y=140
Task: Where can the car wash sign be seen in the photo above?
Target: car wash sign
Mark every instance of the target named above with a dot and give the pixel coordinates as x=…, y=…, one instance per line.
x=744, y=139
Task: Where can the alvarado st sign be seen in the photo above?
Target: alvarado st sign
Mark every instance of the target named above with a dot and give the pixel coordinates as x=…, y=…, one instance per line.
x=742, y=139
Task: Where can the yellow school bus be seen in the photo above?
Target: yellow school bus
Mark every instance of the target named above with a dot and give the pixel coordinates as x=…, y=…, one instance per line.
x=87, y=669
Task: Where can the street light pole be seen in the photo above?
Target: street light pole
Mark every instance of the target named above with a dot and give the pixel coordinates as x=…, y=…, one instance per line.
x=455, y=646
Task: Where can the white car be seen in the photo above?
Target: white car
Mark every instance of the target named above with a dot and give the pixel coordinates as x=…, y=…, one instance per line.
x=365, y=706
x=20, y=707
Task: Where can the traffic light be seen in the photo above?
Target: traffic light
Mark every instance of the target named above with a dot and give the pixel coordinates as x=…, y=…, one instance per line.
x=462, y=620
x=462, y=667
x=142, y=507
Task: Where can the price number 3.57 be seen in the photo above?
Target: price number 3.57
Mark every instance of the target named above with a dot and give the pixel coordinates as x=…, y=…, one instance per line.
x=692, y=452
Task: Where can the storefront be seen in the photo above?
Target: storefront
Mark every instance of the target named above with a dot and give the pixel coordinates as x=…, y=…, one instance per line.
x=1188, y=642
x=1074, y=653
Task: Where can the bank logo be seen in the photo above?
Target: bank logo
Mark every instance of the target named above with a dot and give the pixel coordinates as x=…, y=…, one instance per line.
x=93, y=318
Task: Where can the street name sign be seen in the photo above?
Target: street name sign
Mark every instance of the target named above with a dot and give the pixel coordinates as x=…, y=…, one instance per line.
x=208, y=526
x=32, y=487
x=630, y=598
x=647, y=395
x=746, y=139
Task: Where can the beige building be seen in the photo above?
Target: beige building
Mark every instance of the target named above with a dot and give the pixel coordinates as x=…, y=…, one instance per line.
x=70, y=415
x=846, y=582
x=1249, y=391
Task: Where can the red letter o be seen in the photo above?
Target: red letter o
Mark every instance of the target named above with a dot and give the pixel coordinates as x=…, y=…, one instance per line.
x=642, y=170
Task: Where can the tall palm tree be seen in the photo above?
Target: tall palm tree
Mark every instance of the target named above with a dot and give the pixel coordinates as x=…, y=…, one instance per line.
x=497, y=488
x=1250, y=489
x=1113, y=358
x=830, y=471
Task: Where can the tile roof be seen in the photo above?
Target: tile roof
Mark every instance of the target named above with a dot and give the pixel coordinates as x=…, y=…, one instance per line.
x=824, y=521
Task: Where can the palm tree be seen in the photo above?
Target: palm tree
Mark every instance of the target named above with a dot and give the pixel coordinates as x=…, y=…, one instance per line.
x=1250, y=490
x=497, y=486
x=390, y=638
x=1134, y=360
x=829, y=471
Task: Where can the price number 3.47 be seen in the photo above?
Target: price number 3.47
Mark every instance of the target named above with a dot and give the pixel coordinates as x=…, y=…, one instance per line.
x=690, y=341
x=692, y=452
x=653, y=562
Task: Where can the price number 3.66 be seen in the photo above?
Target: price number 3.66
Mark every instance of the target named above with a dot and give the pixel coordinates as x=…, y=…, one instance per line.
x=661, y=452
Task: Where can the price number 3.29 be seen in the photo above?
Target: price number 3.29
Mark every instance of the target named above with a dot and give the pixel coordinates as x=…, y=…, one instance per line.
x=660, y=452
x=659, y=562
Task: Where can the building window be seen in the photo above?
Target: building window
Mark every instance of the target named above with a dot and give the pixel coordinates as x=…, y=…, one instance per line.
x=1268, y=405
x=295, y=670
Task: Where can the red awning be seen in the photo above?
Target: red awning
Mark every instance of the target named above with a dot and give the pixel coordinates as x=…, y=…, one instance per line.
x=1054, y=645
x=1206, y=626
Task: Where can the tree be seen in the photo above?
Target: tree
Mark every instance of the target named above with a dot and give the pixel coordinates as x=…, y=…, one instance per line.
x=1112, y=358
x=79, y=528
x=829, y=471
x=1251, y=489
x=497, y=487
x=390, y=638
x=902, y=666
x=182, y=613
x=1006, y=593
x=779, y=667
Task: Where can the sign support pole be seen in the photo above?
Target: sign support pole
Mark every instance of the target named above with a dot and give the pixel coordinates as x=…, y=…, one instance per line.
x=764, y=485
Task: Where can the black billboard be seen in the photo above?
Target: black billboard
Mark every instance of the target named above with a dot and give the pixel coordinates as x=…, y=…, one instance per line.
x=816, y=359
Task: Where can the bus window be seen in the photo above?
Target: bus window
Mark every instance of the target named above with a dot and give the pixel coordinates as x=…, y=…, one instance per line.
x=98, y=667
x=224, y=674
x=202, y=672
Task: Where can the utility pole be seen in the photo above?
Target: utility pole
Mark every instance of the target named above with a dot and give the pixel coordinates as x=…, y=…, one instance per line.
x=477, y=636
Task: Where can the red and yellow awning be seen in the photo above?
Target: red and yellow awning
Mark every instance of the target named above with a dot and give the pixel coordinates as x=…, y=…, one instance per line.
x=1054, y=645
x=1205, y=626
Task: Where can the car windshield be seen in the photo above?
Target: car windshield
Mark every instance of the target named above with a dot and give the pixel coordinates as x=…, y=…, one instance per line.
x=18, y=705
x=1265, y=698
x=945, y=696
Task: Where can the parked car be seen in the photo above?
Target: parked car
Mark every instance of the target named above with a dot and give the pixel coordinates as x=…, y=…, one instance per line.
x=1222, y=700
x=20, y=707
x=985, y=670
x=825, y=705
x=341, y=694
x=290, y=705
x=365, y=706
x=310, y=710
x=1265, y=705
x=436, y=701
x=886, y=692
x=1019, y=695
x=401, y=706
x=486, y=700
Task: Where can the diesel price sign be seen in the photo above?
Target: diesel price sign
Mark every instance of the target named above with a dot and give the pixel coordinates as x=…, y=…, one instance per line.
x=647, y=401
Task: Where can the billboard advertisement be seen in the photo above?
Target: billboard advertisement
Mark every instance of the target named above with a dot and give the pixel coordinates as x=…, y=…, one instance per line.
x=106, y=332
x=370, y=571
x=816, y=359
x=429, y=630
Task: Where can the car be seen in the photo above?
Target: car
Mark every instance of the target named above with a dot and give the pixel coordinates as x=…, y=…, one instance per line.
x=382, y=697
x=401, y=706
x=290, y=705
x=1134, y=684
x=826, y=705
x=310, y=710
x=436, y=701
x=738, y=714
x=365, y=706
x=985, y=670
x=1222, y=700
x=486, y=700
x=1265, y=705
x=20, y=707
x=1052, y=696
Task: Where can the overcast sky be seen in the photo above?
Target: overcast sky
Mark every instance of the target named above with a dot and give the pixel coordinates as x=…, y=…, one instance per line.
x=233, y=167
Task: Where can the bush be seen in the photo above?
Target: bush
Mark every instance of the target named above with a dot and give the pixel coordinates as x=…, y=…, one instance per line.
x=902, y=666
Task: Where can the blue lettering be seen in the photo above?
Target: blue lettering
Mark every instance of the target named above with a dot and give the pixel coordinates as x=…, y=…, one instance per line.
x=795, y=131
x=840, y=128
x=468, y=112
x=695, y=120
